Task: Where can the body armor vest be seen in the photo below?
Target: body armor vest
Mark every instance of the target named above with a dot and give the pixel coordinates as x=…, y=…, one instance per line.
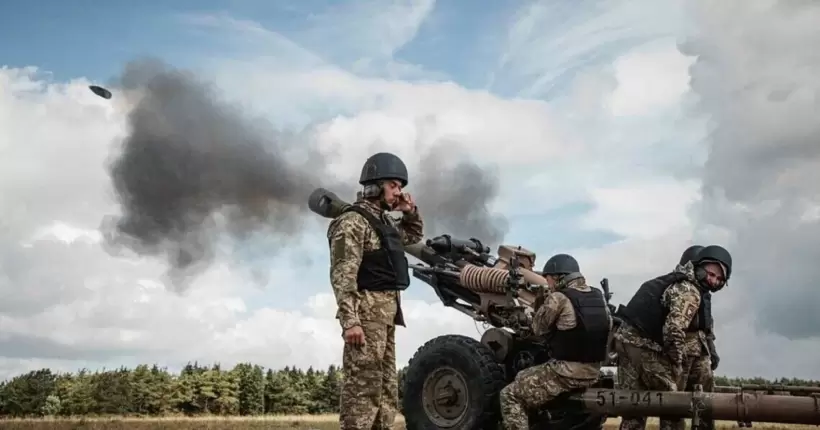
x=384, y=269
x=587, y=341
x=707, y=323
x=646, y=313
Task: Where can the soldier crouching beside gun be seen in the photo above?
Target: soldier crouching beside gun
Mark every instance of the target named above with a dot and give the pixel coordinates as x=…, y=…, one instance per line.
x=575, y=320
x=368, y=271
x=652, y=342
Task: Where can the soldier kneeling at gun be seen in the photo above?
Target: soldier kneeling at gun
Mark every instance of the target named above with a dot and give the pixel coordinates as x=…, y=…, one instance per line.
x=575, y=320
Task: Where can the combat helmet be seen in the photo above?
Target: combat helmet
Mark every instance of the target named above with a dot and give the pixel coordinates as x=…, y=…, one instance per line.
x=383, y=166
x=690, y=254
x=561, y=264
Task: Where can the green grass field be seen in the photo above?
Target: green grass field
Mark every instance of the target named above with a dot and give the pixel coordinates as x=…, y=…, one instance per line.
x=303, y=422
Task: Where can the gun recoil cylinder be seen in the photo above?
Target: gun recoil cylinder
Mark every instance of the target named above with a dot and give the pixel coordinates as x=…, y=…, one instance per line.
x=484, y=279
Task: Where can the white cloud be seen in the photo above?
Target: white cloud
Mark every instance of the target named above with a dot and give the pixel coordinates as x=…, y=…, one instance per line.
x=400, y=115
x=69, y=304
x=649, y=80
x=548, y=41
x=66, y=233
x=643, y=210
x=371, y=29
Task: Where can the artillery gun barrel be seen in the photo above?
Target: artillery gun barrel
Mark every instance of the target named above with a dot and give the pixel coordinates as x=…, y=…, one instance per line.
x=740, y=406
x=415, y=250
x=794, y=390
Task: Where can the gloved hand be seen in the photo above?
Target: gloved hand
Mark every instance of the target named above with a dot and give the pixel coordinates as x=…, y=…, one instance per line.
x=713, y=354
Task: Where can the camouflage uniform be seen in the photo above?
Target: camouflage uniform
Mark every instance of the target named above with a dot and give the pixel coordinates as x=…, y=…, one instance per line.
x=697, y=370
x=535, y=386
x=369, y=396
x=697, y=366
x=643, y=364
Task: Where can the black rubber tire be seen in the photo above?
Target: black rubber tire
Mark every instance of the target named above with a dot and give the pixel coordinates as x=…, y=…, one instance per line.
x=476, y=364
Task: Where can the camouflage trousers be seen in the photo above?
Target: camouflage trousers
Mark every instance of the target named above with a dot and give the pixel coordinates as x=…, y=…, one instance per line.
x=645, y=369
x=532, y=388
x=698, y=370
x=370, y=393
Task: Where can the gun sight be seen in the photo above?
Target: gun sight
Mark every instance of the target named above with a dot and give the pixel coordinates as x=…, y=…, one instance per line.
x=445, y=244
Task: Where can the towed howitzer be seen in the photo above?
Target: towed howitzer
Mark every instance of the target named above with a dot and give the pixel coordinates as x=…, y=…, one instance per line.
x=500, y=290
x=453, y=381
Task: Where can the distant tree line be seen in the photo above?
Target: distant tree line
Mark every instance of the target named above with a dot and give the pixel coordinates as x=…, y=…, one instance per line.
x=246, y=389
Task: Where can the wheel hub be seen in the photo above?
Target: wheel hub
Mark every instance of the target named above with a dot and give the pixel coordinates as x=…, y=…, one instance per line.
x=445, y=397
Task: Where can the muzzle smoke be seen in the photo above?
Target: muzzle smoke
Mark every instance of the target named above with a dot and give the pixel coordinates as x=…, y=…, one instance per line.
x=193, y=167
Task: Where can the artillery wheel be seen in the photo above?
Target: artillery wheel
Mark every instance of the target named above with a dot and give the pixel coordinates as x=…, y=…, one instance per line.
x=452, y=382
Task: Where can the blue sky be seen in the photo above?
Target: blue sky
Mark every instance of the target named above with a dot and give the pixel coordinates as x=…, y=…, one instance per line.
x=534, y=50
x=456, y=39
x=93, y=39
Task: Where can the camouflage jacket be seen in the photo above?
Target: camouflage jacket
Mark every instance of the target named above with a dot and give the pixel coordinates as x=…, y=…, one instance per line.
x=349, y=236
x=682, y=299
x=557, y=313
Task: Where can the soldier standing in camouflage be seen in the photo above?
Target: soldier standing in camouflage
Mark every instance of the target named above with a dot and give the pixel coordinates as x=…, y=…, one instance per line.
x=575, y=321
x=368, y=271
x=652, y=342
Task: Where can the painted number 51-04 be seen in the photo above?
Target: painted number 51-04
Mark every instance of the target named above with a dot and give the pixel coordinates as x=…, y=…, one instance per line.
x=635, y=398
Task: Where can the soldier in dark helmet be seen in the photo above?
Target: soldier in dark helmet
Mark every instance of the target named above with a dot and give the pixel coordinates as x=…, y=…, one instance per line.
x=575, y=321
x=368, y=271
x=665, y=324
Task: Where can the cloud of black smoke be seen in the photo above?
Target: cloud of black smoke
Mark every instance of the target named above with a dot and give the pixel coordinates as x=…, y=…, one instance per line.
x=757, y=76
x=191, y=164
x=193, y=167
x=455, y=196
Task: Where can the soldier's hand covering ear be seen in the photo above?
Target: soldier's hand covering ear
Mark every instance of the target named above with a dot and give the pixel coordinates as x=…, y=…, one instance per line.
x=406, y=203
